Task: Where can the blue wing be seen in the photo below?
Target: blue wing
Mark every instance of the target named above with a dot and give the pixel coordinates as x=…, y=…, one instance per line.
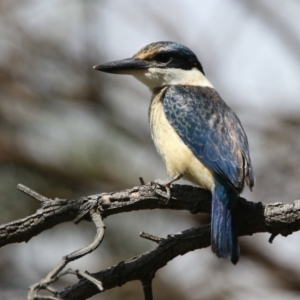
x=211, y=130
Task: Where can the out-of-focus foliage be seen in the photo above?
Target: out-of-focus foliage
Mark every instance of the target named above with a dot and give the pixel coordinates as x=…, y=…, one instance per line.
x=67, y=130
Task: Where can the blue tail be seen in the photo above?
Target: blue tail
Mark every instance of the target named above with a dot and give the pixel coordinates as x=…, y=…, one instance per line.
x=224, y=237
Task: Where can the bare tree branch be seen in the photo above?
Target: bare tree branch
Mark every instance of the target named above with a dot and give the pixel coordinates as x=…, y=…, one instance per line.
x=140, y=266
x=53, y=276
x=57, y=211
x=276, y=218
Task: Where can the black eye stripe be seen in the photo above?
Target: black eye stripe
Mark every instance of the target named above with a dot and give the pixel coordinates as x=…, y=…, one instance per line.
x=162, y=57
x=175, y=60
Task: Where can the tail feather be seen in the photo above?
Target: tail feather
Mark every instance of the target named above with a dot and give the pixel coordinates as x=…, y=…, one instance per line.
x=223, y=227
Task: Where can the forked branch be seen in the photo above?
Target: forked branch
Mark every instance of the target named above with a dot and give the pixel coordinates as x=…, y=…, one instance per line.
x=276, y=218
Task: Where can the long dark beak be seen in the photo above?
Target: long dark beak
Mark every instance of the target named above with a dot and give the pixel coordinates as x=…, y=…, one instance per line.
x=124, y=66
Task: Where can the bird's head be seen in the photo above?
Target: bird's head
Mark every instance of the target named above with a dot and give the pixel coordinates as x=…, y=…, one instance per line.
x=160, y=64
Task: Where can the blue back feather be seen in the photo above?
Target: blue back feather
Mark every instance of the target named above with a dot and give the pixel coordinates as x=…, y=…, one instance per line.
x=211, y=130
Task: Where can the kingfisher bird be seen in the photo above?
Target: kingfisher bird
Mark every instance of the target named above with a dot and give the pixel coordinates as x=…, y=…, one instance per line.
x=199, y=137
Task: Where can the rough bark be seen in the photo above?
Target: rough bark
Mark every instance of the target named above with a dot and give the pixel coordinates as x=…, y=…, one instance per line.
x=253, y=217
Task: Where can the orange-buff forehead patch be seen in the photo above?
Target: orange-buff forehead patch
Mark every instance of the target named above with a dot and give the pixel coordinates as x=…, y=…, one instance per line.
x=147, y=52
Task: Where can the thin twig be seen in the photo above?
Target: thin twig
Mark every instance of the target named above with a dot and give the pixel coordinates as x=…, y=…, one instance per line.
x=147, y=287
x=97, y=219
x=92, y=279
x=151, y=237
x=272, y=237
x=32, y=193
x=53, y=275
x=142, y=181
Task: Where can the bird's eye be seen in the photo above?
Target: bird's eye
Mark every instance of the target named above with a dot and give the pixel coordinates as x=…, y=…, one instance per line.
x=163, y=57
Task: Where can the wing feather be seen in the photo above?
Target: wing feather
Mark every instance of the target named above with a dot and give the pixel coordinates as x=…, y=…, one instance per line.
x=211, y=130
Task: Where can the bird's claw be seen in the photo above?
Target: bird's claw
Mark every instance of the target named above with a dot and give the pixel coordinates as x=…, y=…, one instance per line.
x=167, y=185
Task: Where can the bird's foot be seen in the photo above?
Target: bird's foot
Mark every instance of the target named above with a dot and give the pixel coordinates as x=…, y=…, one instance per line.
x=167, y=185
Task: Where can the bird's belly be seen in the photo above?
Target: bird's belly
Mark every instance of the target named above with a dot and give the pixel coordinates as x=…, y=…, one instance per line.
x=179, y=159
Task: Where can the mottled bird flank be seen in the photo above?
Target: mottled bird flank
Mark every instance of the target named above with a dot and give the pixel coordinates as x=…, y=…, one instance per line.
x=198, y=136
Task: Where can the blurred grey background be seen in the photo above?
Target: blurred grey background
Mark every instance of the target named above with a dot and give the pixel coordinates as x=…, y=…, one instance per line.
x=67, y=131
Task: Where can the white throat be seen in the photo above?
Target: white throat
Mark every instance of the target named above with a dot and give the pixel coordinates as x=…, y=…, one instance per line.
x=158, y=77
